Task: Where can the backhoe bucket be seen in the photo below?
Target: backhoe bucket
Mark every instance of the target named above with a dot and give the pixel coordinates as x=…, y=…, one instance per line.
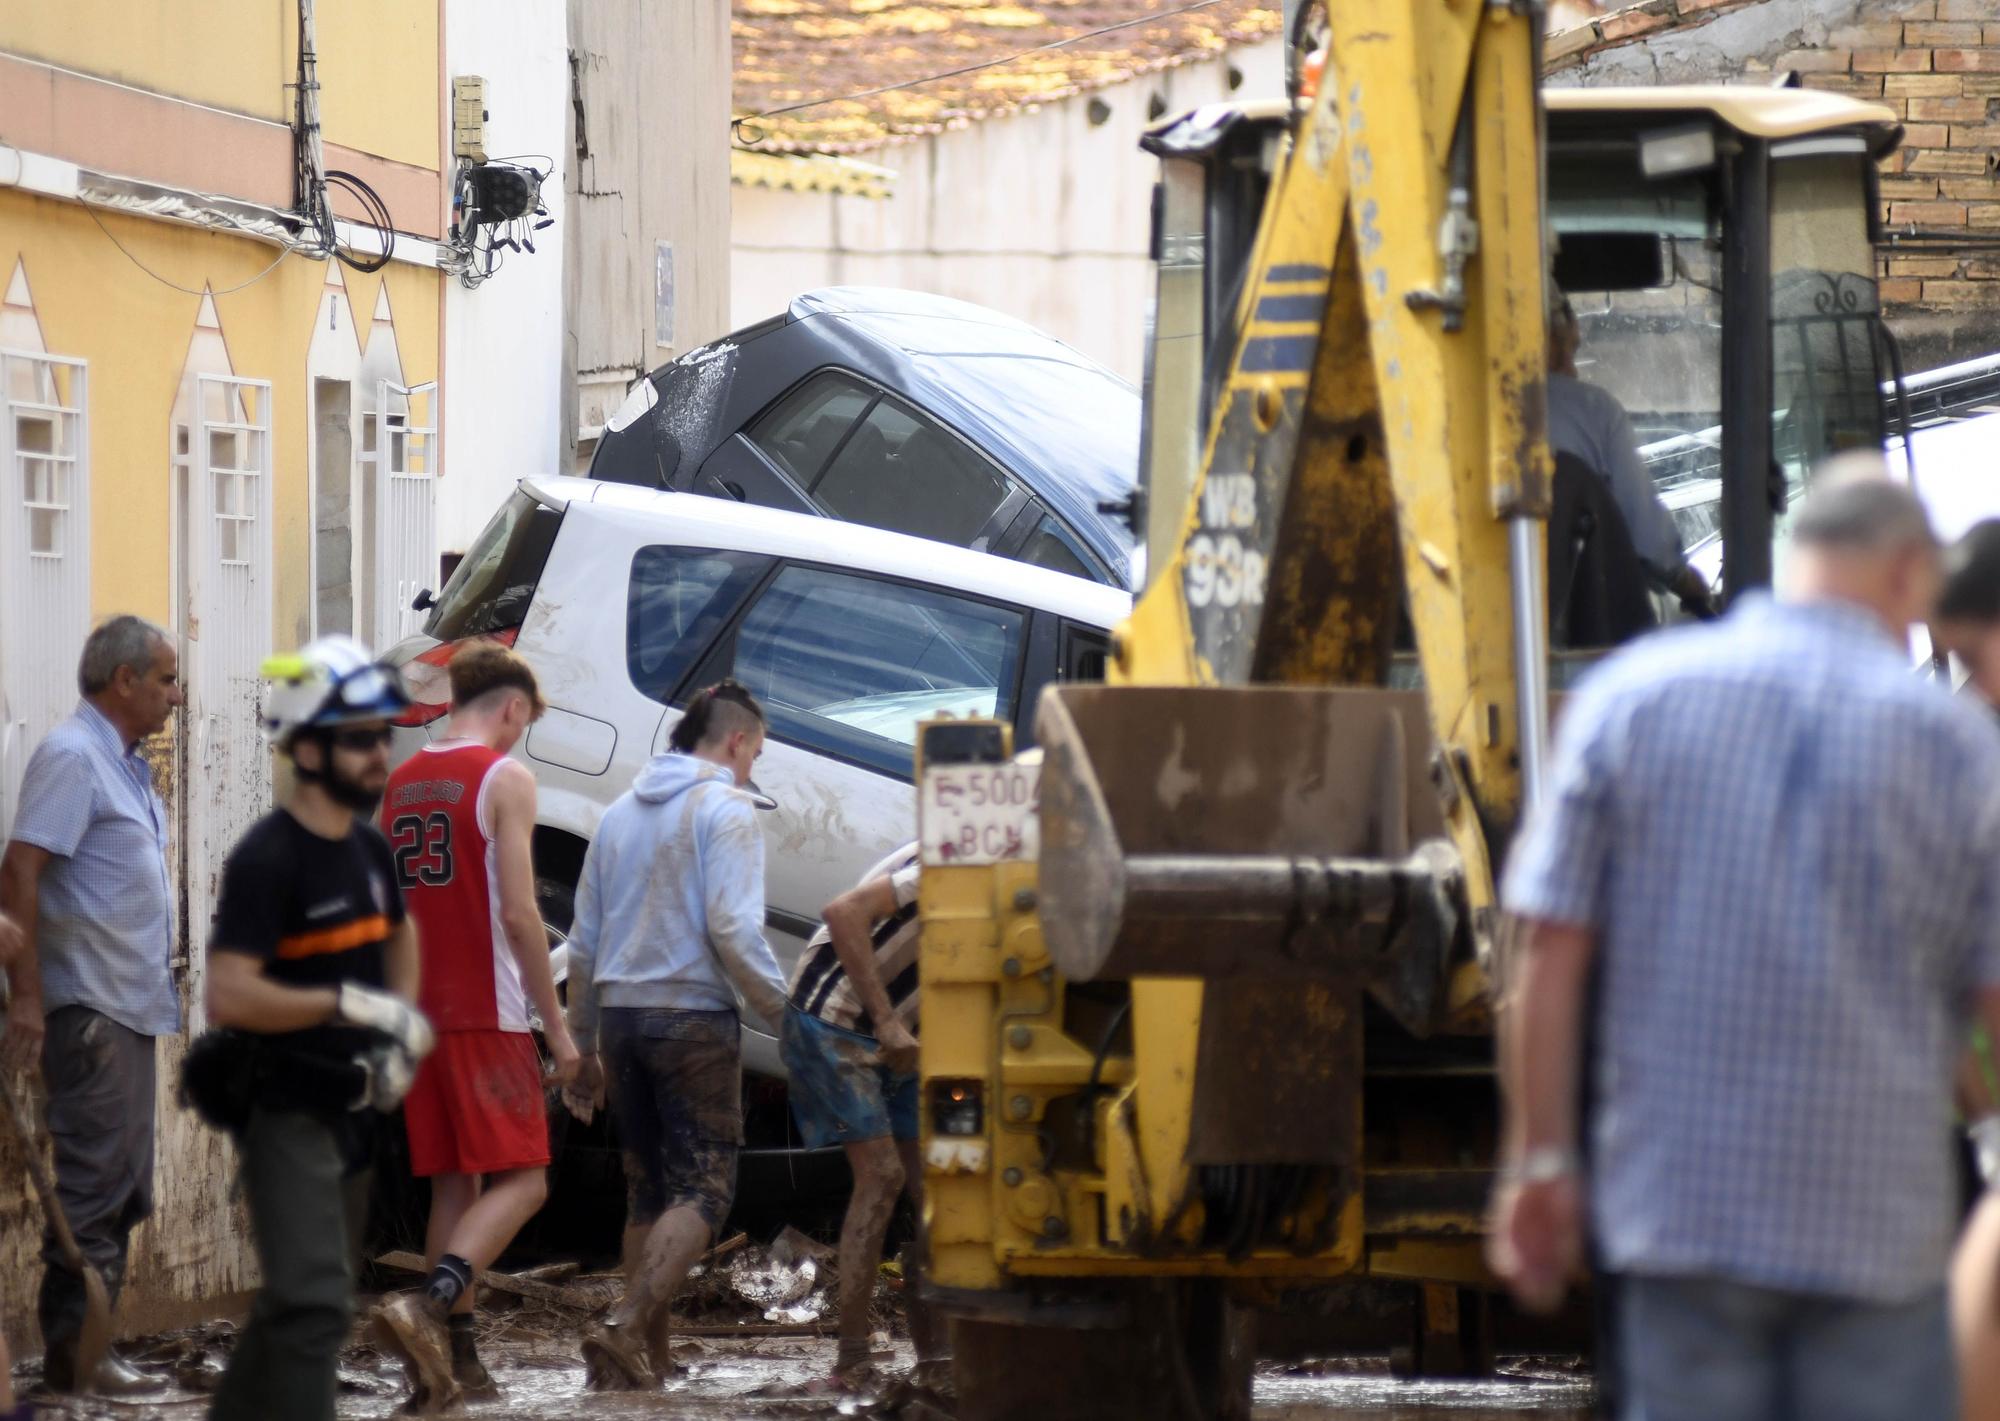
x=1250, y=831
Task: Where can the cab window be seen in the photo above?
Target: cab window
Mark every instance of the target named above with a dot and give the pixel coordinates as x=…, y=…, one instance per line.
x=848, y=665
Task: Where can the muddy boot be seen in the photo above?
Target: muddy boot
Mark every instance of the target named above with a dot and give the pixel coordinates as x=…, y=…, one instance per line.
x=411, y=1328
x=475, y=1383
x=615, y=1359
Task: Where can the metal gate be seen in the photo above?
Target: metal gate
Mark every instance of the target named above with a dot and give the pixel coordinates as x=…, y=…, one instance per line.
x=44, y=553
x=404, y=471
x=225, y=781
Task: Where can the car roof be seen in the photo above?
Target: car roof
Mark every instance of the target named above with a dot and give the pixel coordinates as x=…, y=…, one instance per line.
x=1058, y=418
x=703, y=521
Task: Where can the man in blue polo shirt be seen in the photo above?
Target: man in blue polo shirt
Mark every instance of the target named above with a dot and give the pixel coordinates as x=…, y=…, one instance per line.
x=85, y=877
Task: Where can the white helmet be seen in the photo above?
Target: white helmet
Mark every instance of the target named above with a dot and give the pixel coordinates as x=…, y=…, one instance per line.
x=328, y=682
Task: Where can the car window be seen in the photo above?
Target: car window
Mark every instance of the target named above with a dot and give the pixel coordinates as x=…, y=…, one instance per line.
x=805, y=427
x=1051, y=546
x=1085, y=652
x=903, y=472
x=493, y=584
x=850, y=664
x=679, y=599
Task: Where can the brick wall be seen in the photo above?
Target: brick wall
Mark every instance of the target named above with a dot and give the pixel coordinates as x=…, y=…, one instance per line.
x=1936, y=63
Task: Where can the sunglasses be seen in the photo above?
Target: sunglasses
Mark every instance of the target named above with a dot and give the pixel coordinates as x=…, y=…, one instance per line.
x=361, y=737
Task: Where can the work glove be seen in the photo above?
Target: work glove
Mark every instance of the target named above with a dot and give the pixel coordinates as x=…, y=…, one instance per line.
x=1985, y=1136
x=388, y=1072
x=389, y=1014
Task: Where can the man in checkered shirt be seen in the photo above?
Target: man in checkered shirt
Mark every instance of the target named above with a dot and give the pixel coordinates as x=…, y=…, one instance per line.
x=1778, y=850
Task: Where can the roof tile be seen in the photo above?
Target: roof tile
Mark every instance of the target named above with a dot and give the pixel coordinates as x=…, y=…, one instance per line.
x=797, y=51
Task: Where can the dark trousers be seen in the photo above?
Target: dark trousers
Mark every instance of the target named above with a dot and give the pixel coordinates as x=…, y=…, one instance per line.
x=307, y=1209
x=100, y=1078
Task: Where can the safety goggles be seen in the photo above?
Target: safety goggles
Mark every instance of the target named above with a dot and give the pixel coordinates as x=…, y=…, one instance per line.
x=365, y=688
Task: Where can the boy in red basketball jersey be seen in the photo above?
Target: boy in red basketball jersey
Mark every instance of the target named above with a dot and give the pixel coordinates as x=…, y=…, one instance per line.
x=459, y=816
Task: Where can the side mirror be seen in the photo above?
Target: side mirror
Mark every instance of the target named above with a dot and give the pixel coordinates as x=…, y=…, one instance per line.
x=423, y=601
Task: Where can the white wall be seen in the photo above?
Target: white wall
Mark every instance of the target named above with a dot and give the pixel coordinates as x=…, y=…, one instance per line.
x=1040, y=214
x=503, y=343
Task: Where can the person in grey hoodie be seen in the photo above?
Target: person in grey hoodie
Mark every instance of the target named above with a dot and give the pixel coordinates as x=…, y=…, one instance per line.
x=670, y=917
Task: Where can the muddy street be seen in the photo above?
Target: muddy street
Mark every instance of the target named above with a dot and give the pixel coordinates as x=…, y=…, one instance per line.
x=754, y=1338
x=541, y=1379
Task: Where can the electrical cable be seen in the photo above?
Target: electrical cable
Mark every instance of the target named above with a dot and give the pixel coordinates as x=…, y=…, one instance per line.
x=378, y=217
x=184, y=290
x=736, y=124
x=1097, y=1074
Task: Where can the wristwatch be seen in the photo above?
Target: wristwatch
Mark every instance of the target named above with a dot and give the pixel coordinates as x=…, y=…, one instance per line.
x=1542, y=1164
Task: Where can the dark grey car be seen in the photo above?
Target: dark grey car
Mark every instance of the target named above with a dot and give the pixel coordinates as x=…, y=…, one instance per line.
x=904, y=411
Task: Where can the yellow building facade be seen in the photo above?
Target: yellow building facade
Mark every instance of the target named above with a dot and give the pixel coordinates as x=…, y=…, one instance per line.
x=203, y=423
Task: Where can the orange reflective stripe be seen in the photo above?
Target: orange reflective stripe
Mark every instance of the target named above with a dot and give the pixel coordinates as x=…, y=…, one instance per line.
x=358, y=933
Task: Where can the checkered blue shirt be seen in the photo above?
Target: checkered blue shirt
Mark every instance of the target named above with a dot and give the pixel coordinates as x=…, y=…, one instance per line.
x=1788, y=846
x=104, y=929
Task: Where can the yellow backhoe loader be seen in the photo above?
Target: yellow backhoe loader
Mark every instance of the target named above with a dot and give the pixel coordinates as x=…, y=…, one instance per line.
x=1209, y=975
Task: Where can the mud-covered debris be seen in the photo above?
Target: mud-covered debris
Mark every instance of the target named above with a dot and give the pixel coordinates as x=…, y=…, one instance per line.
x=793, y=1247
x=782, y=1291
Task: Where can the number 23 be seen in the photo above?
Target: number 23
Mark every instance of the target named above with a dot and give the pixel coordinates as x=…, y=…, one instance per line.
x=423, y=848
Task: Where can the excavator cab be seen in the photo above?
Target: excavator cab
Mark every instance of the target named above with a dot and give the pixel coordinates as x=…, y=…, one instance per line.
x=1209, y=977
x=1716, y=244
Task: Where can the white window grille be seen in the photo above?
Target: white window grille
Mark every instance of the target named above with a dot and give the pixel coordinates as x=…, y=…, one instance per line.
x=404, y=506
x=44, y=551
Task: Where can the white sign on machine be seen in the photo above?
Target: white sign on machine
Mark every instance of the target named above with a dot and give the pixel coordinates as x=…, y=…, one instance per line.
x=973, y=815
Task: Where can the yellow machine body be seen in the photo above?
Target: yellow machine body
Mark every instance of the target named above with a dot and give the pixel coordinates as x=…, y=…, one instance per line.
x=1249, y=845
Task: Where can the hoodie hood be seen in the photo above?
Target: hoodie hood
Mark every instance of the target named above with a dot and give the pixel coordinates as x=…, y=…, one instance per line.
x=665, y=776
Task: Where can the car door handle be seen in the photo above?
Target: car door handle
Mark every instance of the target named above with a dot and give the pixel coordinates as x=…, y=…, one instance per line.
x=734, y=490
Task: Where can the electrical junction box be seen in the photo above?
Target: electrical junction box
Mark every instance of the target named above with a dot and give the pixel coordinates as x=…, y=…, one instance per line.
x=468, y=117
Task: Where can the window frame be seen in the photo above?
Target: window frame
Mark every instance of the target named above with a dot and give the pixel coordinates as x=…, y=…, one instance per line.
x=720, y=659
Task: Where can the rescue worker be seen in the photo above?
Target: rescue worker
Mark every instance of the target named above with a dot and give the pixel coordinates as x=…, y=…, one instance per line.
x=1776, y=846
x=670, y=917
x=85, y=878
x=850, y=1049
x=313, y=964
x=460, y=819
x=1588, y=422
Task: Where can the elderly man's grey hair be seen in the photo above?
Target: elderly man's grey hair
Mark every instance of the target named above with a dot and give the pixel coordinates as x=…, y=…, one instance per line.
x=124, y=640
x=1854, y=506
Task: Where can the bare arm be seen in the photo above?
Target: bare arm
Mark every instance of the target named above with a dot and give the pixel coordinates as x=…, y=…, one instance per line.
x=1536, y=1240
x=401, y=967
x=239, y=995
x=20, y=899
x=1542, y=1043
x=513, y=806
x=850, y=920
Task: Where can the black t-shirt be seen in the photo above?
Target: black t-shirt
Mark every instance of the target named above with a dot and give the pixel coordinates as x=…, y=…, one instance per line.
x=316, y=911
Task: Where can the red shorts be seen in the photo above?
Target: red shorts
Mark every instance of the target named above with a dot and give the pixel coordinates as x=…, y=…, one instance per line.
x=477, y=1105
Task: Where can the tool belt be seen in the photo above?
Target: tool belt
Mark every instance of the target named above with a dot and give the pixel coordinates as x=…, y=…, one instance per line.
x=227, y=1073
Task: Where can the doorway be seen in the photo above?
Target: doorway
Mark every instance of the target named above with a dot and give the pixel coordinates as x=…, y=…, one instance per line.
x=333, y=507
